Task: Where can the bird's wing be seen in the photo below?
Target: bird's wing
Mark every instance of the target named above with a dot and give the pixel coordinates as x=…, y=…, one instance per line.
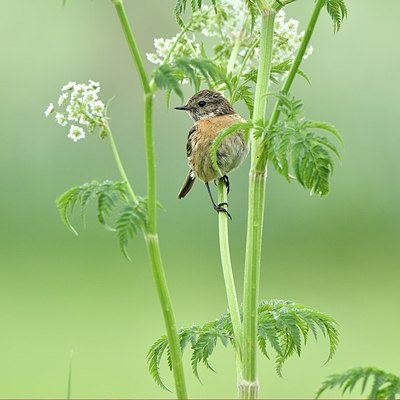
x=192, y=131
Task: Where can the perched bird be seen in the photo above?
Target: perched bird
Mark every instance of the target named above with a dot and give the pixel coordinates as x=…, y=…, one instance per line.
x=212, y=112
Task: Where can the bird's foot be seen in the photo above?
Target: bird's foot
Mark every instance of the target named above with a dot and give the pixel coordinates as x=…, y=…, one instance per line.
x=219, y=208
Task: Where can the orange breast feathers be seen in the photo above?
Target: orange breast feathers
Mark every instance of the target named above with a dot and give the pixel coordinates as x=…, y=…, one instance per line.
x=231, y=151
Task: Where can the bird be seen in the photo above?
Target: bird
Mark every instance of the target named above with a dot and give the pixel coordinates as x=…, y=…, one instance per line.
x=212, y=112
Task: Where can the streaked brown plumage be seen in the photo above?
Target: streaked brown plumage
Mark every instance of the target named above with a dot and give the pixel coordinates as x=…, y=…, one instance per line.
x=211, y=113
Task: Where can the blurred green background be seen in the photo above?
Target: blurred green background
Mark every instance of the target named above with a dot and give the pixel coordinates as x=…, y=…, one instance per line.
x=61, y=293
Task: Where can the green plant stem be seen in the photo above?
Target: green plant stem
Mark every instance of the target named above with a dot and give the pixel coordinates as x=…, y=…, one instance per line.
x=235, y=50
x=262, y=150
x=132, y=44
x=153, y=247
x=173, y=47
x=264, y=69
x=227, y=269
x=152, y=241
x=119, y=164
x=248, y=388
x=246, y=57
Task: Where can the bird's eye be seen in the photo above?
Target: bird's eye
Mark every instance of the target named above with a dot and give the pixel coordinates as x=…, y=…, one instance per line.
x=202, y=103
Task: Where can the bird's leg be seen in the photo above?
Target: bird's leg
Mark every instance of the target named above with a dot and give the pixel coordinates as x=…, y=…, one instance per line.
x=217, y=207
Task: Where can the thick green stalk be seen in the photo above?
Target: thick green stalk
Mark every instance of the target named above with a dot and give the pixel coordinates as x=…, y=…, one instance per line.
x=261, y=156
x=249, y=386
x=264, y=68
x=227, y=269
x=152, y=241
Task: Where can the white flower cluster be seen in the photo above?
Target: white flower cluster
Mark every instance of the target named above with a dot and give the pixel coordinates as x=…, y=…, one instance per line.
x=227, y=24
x=286, y=39
x=82, y=106
x=184, y=48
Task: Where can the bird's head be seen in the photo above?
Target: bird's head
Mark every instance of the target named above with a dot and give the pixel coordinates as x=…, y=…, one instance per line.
x=207, y=104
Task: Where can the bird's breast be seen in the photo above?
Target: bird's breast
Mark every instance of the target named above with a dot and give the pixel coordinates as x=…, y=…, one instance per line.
x=231, y=151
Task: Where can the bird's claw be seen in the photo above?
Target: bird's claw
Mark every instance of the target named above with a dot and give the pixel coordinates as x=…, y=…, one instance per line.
x=222, y=209
x=226, y=180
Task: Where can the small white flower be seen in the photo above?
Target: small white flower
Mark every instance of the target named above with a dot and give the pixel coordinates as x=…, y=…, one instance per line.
x=49, y=110
x=61, y=120
x=72, y=113
x=90, y=96
x=95, y=86
x=68, y=86
x=76, y=133
x=62, y=99
x=97, y=108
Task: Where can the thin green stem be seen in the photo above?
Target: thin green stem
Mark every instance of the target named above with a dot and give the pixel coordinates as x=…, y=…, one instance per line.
x=249, y=386
x=151, y=164
x=132, y=44
x=227, y=268
x=119, y=164
x=246, y=57
x=153, y=247
x=233, y=56
x=173, y=47
x=261, y=156
x=151, y=226
x=235, y=50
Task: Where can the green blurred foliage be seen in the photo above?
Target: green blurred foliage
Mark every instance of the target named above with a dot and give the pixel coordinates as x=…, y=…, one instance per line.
x=59, y=293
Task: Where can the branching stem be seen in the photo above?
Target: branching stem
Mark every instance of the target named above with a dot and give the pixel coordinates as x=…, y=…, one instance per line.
x=119, y=163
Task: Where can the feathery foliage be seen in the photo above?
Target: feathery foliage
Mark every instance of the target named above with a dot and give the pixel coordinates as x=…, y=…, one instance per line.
x=109, y=195
x=283, y=326
x=384, y=385
x=294, y=148
x=338, y=11
x=164, y=77
x=180, y=8
x=196, y=70
x=286, y=325
x=130, y=220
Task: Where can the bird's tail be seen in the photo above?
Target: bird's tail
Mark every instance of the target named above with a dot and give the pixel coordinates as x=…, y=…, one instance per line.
x=187, y=185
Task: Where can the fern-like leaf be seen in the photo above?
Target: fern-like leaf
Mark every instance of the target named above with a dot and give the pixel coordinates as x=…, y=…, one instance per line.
x=293, y=145
x=281, y=325
x=180, y=8
x=165, y=79
x=63, y=202
x=338, y=11
x=130, y=221
x=154, y=357
x=384, y=384
x=169, y=76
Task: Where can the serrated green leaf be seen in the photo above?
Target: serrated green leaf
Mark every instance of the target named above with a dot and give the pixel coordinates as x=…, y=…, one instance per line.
x=131, y=219
x=164, y=78
x=154, y=356
x=338, y=11
x=384, y=386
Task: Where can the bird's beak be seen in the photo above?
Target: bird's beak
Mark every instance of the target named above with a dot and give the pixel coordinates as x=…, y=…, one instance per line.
x=185, y=108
